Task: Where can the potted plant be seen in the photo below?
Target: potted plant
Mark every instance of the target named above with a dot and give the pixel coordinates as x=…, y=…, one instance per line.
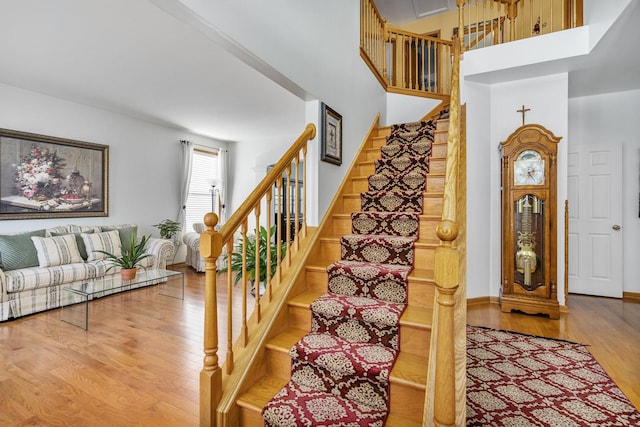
x=130, y=257
x=168, y=228
x=266, y=240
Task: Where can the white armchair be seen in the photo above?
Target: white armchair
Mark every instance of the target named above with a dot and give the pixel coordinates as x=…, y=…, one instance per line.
x=192, y=242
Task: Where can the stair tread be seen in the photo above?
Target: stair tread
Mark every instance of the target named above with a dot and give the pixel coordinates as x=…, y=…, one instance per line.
x=396, y=420
x=351, y=413
x=286, y=339
x=421, y=216
x=372, y=361
x=358, y=307
x=305, y=298
x=261, y=392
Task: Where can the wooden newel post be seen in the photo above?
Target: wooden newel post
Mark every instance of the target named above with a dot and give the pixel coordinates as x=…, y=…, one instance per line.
x=447, y=279
x=211, y=374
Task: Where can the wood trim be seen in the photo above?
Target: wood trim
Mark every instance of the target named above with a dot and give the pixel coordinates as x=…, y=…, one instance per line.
x=482, y=300
x=634, y=296
x=416, y=92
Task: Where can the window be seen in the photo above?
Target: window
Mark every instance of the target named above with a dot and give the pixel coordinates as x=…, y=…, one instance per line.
x=205, y=171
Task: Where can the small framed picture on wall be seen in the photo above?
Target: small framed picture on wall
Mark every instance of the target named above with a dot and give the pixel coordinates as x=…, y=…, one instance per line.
x=331, y=135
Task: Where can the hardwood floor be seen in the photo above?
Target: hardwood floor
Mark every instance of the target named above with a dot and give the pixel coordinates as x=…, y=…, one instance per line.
x=139, y=362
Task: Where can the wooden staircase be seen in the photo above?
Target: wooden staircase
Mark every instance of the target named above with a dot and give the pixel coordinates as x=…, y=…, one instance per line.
x=409, y=375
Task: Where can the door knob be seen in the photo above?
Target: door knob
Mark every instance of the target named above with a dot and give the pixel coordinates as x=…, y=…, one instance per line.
x=616, y=227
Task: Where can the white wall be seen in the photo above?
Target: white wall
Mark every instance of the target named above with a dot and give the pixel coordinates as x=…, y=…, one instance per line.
x=547, y=99
x=613, y=117
x=315, y=45
x=405, y=108
x=144, y=158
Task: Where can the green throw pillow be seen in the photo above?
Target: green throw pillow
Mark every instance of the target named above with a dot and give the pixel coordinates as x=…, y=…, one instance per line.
x=17, y=250
x=125, y=234
x=79, y=240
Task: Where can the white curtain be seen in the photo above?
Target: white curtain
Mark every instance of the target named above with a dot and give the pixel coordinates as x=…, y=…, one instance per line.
x=187, y=155
x=223, y=155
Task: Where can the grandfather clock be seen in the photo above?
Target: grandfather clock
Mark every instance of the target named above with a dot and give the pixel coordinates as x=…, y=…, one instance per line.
x=529, y=229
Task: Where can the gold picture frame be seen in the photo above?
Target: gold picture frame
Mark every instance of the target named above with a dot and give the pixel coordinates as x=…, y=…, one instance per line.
x=47, y=177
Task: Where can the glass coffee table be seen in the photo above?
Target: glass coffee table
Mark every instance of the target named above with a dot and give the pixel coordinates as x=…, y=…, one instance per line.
x=75, y=298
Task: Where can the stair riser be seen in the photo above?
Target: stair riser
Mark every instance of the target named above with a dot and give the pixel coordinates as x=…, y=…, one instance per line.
x=278, y=363
x=249, y=417
x=424, y=255
x=431, y=205
x=364, y=169
x=345, y=327
x=299, y=318
x=379, y=141
x=414, y=340
x=342, y=226
x=377, y=252
x=440, y=136
x=435, y=184
x=406, y=401
x=302, y=371
x=421, y=294
x=437, y=166
x=316, y=280
x=439, y=150
x=372, y=154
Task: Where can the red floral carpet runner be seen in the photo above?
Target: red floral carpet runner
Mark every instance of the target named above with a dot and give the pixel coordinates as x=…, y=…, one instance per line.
x=520, y=380
x=340, y=371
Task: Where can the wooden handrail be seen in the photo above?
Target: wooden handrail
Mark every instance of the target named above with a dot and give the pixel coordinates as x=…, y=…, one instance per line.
x=248, y=205
x=446, y=269
x=211, y=245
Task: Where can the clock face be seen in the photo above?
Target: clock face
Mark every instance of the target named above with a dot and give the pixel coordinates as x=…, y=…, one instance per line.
x=528, y=169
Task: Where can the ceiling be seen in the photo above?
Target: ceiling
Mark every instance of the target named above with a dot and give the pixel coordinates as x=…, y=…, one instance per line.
x=134, y=58
x=401, y=12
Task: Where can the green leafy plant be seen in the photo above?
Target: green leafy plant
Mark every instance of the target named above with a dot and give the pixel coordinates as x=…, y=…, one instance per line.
x=265, y=240
x=168, y=228
x=131, y=254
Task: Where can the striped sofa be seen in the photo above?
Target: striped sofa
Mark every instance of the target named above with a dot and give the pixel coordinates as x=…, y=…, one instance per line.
x=64, y=256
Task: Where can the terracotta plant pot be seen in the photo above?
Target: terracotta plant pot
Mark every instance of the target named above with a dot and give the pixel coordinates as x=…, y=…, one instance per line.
x=128, y=274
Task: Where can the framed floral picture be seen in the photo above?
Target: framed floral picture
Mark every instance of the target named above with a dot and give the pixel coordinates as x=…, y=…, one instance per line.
x=331, y=135
x=43, y=177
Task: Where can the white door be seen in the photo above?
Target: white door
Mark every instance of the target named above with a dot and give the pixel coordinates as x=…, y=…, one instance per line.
x=595, y=219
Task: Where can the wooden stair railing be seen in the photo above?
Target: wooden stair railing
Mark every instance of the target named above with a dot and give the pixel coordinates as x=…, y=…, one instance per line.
x=446, y=381
x=212, y=243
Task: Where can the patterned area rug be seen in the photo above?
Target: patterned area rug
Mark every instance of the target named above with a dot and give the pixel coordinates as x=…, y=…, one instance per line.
x=340, y=370
x=522, y=380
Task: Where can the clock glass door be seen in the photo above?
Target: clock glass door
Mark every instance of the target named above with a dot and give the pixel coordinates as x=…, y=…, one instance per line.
x=528, y=245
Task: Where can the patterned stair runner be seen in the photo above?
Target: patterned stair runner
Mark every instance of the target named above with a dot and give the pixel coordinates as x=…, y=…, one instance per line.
x=340, y=370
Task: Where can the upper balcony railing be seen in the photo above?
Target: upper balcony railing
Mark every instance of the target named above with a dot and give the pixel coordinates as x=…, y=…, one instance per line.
x=406, y=62
x=491, y=22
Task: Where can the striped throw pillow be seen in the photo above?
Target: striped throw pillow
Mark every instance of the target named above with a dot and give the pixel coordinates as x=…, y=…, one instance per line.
x=108, y=241
x=54, y=251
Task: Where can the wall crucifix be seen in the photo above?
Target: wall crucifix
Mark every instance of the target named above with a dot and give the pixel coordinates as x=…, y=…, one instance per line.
x=523, y=111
